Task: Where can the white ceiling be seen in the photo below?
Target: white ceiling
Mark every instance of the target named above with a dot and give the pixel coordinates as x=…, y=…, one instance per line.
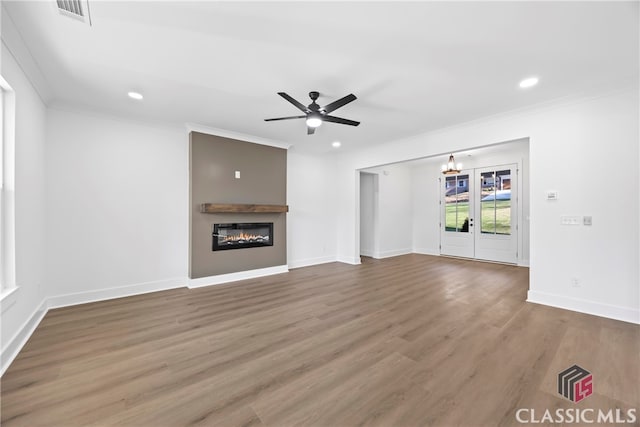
x=415, y=66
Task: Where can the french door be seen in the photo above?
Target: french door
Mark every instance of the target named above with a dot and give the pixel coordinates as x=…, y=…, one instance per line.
x=479, y=214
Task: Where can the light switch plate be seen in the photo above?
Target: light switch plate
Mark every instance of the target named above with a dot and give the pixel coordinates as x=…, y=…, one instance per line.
x=552, y=195
x=587, y=220
x=237, y=174
x=570, y=220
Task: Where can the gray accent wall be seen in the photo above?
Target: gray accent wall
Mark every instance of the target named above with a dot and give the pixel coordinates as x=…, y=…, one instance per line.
x=213, y=161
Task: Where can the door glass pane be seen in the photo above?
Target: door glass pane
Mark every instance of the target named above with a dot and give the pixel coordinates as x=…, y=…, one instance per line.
x=457, y=203
x=495, y=202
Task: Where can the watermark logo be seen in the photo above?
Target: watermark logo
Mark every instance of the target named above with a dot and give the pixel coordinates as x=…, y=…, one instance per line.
x=575, y=383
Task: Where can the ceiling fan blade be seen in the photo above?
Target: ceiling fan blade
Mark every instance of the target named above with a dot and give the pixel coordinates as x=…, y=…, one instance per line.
x=339, y=103
x=342, y=121
x=298, y=105
x=310, y=130
x=285, y=118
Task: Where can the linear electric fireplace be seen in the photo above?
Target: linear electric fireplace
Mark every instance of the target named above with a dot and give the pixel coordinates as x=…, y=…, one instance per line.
x=242, y=235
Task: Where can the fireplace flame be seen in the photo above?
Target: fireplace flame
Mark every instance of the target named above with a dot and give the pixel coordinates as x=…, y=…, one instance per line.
x=240, y=235
x=243, y=237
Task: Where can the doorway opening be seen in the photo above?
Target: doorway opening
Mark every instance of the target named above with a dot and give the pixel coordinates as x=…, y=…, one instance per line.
x=368, y=214
x=402, y=206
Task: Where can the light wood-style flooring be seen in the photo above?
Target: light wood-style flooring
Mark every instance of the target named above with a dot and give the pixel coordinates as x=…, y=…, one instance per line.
x=406, y=341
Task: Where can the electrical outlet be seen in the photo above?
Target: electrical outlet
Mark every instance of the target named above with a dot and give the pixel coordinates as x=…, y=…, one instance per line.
x=587, y=220
x=575, y=282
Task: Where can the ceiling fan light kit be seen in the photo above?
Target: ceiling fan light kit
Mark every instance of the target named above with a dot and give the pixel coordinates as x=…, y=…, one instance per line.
x=315, y=115
x=314, y=120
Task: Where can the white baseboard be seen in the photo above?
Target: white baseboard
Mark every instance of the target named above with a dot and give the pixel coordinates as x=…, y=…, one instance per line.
x=117, y=292
x=311, y=261
x=392, y=253
x=626, y=314
x=426, y=251
x=18, y=341
x=21, y=337
x=8, y=298
x=349, y=260
x=436, y=252
x=15, y=344
x=234, y=277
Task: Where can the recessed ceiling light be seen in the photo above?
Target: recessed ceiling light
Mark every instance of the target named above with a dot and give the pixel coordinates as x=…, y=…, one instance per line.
x=336, y=144
x=529, y=82
x=135, y=95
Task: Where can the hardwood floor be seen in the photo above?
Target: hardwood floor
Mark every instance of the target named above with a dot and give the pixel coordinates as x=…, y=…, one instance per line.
x=407, y=341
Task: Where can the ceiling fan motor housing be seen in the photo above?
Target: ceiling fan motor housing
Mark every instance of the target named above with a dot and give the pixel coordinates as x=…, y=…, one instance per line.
x=313, y=106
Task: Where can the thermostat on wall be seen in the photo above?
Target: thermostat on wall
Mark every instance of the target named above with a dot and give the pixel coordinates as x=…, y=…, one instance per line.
x=552, y=195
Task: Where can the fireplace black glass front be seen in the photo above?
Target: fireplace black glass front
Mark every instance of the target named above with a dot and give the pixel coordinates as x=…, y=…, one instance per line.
x=242, y=235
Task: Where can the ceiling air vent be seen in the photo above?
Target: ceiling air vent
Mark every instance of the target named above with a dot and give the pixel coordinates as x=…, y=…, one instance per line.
x=78, y=9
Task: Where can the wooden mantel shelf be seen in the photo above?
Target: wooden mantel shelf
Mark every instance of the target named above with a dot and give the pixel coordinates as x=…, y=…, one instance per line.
x=241, y=208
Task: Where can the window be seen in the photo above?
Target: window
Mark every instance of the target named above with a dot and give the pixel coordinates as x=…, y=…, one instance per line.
x=2, y=204
x=7, y=187
x=457, y=204
x=495, y=202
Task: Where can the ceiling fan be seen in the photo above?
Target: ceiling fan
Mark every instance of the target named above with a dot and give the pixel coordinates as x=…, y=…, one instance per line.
x=316, y=114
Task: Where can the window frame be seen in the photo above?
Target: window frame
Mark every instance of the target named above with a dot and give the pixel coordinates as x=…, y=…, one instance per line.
x=7, y=190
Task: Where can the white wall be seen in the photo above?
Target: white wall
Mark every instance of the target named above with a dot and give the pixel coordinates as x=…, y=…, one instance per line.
x=571, y=146
x=117, y=205
x=425, y=189
x=21, y=309
x=124, y=224
x=311, y=234
x=603, y=257
x=394, y=232
x=426, y=193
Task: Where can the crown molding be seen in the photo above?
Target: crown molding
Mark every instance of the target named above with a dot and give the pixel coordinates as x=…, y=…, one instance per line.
x=195, y=127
